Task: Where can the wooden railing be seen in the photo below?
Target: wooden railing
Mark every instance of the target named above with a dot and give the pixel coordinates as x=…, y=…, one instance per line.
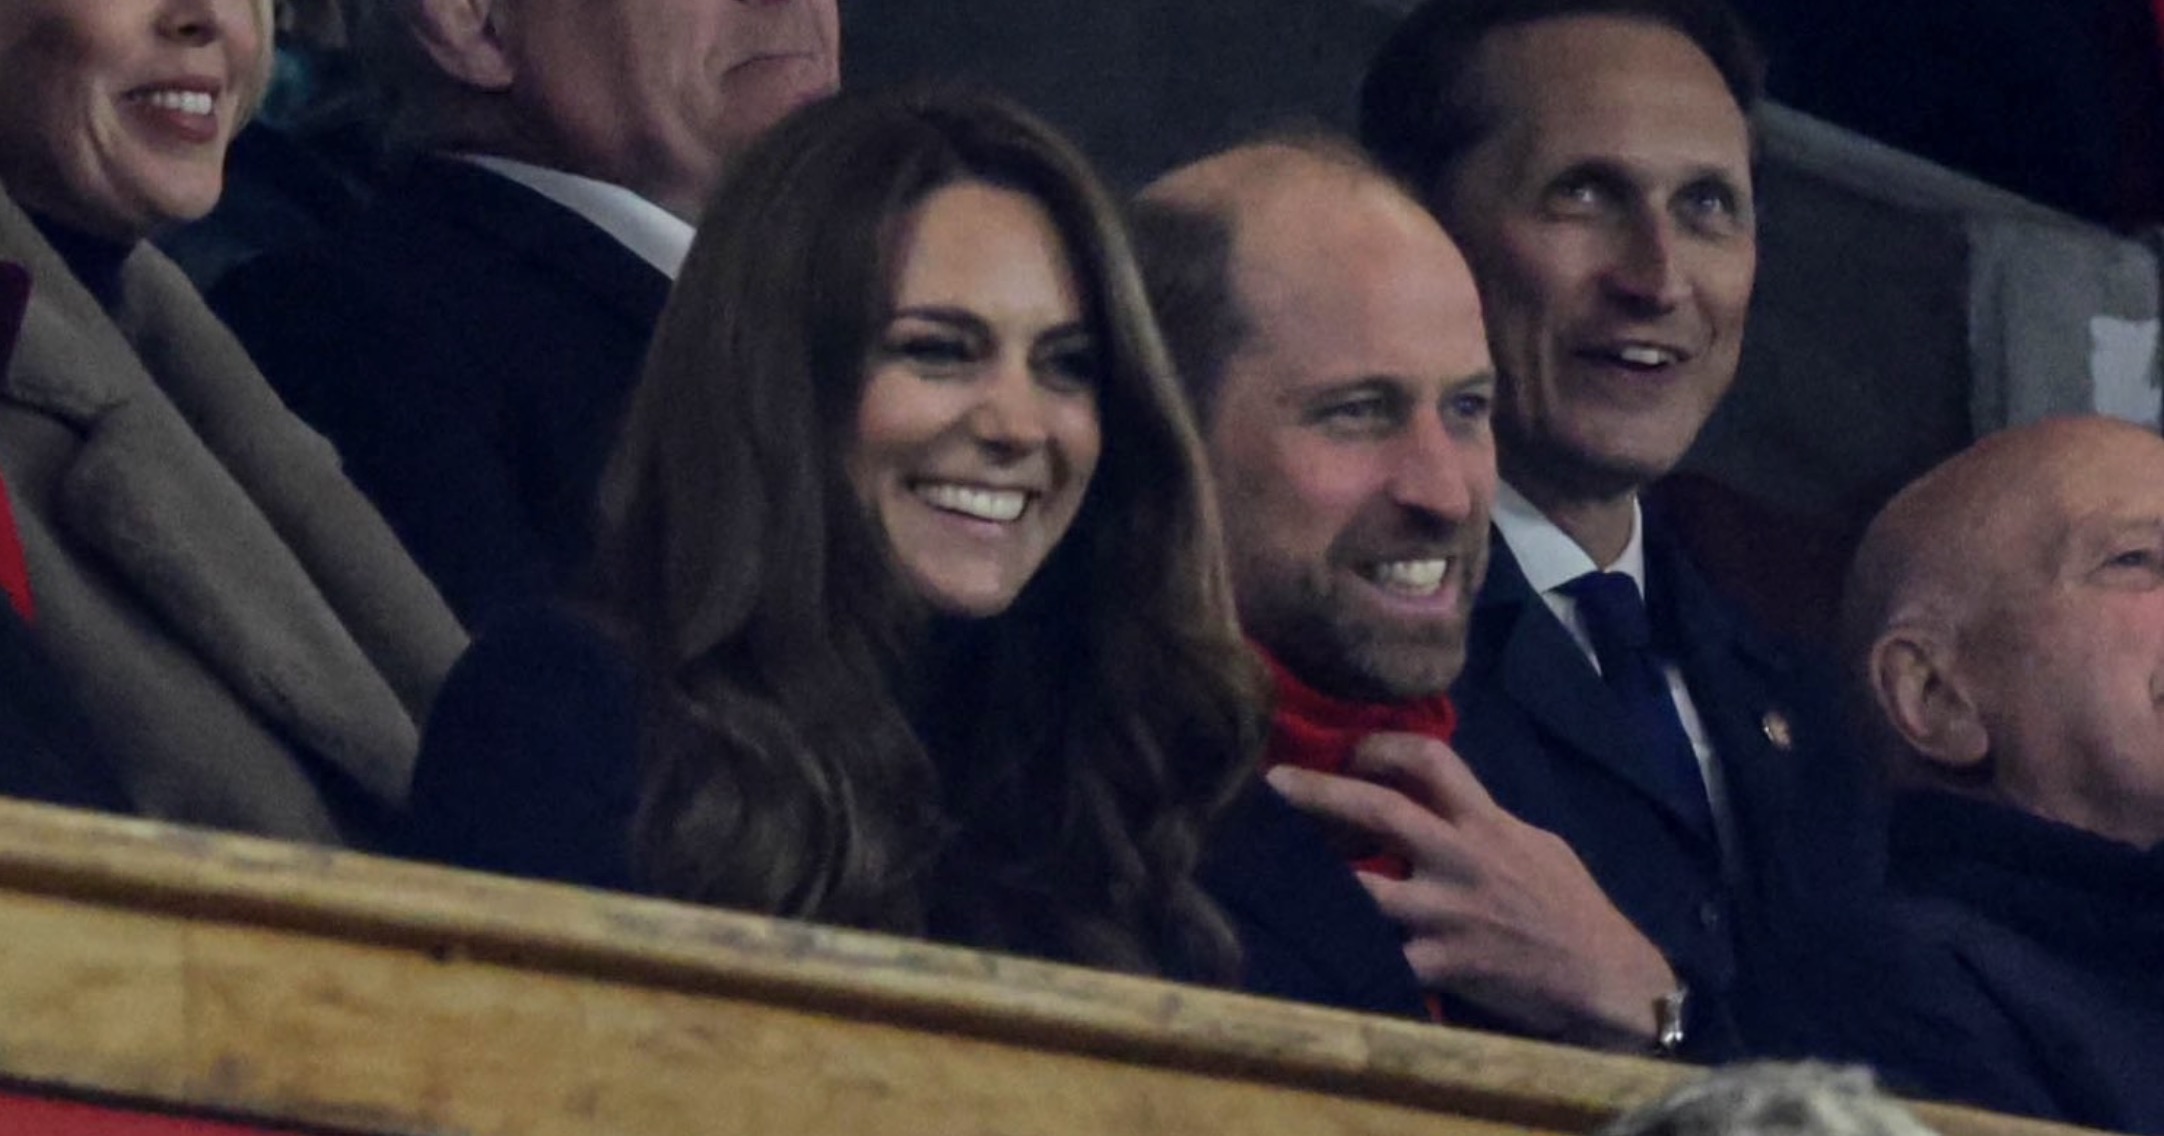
x=167, y=969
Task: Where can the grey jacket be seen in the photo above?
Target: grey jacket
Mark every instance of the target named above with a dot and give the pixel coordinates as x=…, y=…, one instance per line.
x=254, y=648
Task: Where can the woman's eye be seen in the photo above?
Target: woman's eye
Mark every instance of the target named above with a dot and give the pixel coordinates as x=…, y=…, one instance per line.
x=1075, y=368
x=931, y=350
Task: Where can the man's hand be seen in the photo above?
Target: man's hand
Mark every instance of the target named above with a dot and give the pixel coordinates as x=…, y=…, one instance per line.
x=1496, y=912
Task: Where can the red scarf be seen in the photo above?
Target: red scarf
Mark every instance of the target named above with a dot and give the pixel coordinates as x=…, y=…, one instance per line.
x=1312, y=730
x=14, y=570
x=14, y=573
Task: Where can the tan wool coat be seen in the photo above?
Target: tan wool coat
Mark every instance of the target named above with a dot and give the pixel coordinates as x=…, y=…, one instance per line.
x=254, y=647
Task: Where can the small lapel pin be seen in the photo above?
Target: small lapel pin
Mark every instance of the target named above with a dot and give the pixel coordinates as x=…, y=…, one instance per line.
x=1778, y=731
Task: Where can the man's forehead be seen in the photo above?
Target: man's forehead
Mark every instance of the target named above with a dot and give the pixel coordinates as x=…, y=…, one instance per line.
x=2094, y=468
x=2089, y=517
x=1338, y=271
x=1291, y=364
x=1309, y=238
x=2111, y=524
x=2047, y=493
x=1358, y=274
x=1591, y=86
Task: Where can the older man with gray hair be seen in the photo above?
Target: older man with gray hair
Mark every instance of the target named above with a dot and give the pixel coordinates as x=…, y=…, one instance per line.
x=468, y=345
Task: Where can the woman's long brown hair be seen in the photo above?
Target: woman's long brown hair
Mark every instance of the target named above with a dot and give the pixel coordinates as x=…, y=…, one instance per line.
x=817, y=745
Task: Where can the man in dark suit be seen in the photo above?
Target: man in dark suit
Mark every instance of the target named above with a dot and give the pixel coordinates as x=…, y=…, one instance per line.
x=1331, y=336
x=468, y=346
x=1593, y=158
x=2006, y=620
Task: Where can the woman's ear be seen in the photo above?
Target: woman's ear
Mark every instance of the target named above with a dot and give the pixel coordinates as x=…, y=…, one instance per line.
x=1925, y=700
x=462, y=38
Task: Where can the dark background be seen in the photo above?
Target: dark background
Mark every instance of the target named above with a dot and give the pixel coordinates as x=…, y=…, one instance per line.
x=2058, y=100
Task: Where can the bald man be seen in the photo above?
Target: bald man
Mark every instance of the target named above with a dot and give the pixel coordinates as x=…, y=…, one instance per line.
x=1331, y=335
x=2006, y=619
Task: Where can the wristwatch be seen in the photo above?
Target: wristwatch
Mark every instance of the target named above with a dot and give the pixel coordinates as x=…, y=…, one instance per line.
x=1668, y=1018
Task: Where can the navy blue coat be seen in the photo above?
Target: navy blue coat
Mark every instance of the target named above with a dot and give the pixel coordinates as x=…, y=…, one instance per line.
x=1308, y=931
x=530, y=767
x=469, y=348
x=1544, y=735
x=2020, y=967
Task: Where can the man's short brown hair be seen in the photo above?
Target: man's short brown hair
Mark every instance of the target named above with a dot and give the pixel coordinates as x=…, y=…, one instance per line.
x=1420, y=111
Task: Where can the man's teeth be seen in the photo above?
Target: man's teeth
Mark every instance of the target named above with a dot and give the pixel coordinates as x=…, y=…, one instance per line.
x=1638, y=355
x=983, y=504
x=1410, y=577
x=186, y=102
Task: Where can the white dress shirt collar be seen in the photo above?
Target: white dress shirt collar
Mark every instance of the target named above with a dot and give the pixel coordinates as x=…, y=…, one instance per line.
x=653, y=234
x=1547, y=554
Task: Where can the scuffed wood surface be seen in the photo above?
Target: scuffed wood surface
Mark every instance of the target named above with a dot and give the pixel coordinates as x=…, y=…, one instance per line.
x=297, y=984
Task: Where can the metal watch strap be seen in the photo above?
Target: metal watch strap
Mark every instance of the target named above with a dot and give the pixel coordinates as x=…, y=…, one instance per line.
x=1668, y=1019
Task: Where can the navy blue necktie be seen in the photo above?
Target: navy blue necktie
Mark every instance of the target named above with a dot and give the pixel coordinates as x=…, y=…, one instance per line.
x=1615, y=619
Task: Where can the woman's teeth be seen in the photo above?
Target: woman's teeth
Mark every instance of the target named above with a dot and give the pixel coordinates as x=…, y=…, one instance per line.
x=186, y=102
x=1410, y=577
x=1000, y=505
x=1642, y=356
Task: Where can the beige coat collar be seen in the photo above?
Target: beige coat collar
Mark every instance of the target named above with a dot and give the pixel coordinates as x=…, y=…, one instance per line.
x=189, y=484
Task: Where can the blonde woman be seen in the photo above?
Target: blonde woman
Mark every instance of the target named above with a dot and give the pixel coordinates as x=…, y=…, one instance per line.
x=252, y=646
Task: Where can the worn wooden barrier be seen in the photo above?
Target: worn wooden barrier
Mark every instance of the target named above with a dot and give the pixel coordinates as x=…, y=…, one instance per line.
x=170, y=969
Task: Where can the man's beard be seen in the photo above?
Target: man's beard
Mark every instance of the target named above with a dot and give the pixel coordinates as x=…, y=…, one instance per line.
x=1364, y=658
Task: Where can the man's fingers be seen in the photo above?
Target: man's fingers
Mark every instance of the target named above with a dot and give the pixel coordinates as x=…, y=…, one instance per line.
x=1422, y=907
x=1426, y=769
x=1345, y=801
x=1436, y=929
x=1368, y=818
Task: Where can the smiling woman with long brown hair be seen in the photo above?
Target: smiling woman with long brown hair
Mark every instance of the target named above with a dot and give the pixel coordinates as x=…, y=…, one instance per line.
x=908, y=613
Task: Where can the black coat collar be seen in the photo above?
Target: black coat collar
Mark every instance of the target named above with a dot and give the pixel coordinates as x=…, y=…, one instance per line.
x=527, y=226
x=2083, y=895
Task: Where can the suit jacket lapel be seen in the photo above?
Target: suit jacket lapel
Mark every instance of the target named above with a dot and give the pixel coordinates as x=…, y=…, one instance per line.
x=1545, y=673
x=1733, y=672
